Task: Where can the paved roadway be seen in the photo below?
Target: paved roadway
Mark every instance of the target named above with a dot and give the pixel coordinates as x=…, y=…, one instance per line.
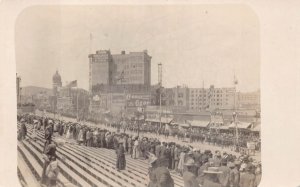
x=162, y=138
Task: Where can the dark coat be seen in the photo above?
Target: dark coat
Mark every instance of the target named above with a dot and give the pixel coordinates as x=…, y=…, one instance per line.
x=121, y=162
x=224, y=177
x=189, y=179
x=163, y=177
x=247, y=180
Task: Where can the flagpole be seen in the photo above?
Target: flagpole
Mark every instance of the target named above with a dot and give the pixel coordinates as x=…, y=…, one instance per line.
x=235, y=114
x=77, y=105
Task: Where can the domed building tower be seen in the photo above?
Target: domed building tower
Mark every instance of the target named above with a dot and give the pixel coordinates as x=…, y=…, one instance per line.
x=56, y=83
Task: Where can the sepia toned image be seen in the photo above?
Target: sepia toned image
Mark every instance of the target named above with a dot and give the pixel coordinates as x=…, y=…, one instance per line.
x=138, y=95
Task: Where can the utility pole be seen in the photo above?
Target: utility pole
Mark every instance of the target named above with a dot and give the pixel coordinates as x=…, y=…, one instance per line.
x=235, y=113
x=160, y=89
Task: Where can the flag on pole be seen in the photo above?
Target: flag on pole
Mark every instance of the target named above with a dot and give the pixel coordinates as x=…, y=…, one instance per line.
x=72, y=84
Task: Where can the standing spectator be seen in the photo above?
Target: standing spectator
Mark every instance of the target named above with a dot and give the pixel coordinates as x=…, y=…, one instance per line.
x=152, y=166
x=80, y=136
x=129, y=142
x=52, y=172
x=224, y=176
x=162, y=176
x=257, y=175
x=172, y=157
x=50, y=151
x=181, y=161
x=189, y=177
x=234, y=177
x=176, y=157
x=247, y=178
x=23, y=130
x=135, y=148
x=34, y=130
x=120, y=151
x=89, y=138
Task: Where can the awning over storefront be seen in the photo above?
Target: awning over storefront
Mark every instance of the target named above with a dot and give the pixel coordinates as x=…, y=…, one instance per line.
x=184, y=125
x=197, y=123
x=221, y=127
x=240, y=125
x=157, y=120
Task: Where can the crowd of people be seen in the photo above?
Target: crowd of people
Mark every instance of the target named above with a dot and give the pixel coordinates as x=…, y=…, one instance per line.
x=197, y=167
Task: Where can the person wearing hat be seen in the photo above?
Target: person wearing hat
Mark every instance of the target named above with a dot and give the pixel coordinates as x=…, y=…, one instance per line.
x=34, y=130
x=247, y=178
x=217, y=159
x=152, y=163
x=257, y=174
x=203, y=167
x=234, y=176
x=189, y=177
x=22, y=130
x=224, y=177
x=52, y=172
x=48, y=135
x=49, y=152
x=211, y=177
x=48, y=130
x=181, y=161
x=160, y=175
x=121, y=161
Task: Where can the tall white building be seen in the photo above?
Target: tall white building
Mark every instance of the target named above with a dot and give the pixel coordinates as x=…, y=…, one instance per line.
x=212, y=98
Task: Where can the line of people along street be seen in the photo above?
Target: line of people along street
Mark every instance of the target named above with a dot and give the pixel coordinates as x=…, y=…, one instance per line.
x=197, y=167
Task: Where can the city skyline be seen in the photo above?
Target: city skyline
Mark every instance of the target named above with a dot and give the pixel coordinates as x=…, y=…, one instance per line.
x=179, y=38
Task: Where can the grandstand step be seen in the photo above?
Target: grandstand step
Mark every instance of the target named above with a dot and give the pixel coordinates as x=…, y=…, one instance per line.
x=26, y=172
x=108, y=167
x=129, y=167
x=71, y=176
x=103, y=160
x=132, y=167
x=143, y=167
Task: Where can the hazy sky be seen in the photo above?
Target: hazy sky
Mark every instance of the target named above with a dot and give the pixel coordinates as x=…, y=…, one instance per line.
x=194, y=43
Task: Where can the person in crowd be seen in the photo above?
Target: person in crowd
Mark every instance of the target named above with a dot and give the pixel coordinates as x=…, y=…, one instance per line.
x=224, y=176
x=135, y=148
x=121, y=161
x=130, y=144
x=152, y=166
x=177, y=152
x=172, y=156
x=89, y=138
x=80, y=136
x=257, y=175
x=48, y=135
x=49, y=152
x=181, y=161
x=23, y=130
x=234, y=175
x=34, y=130
x=52, y=172
x=189, y=177
x=157, y=149
x=197, y=157
x=161, y=175
x=203, y=167
x=247, y=177
x=70, y=132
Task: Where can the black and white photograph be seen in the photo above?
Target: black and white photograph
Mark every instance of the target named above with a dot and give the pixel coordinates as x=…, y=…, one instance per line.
x=138, y=95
